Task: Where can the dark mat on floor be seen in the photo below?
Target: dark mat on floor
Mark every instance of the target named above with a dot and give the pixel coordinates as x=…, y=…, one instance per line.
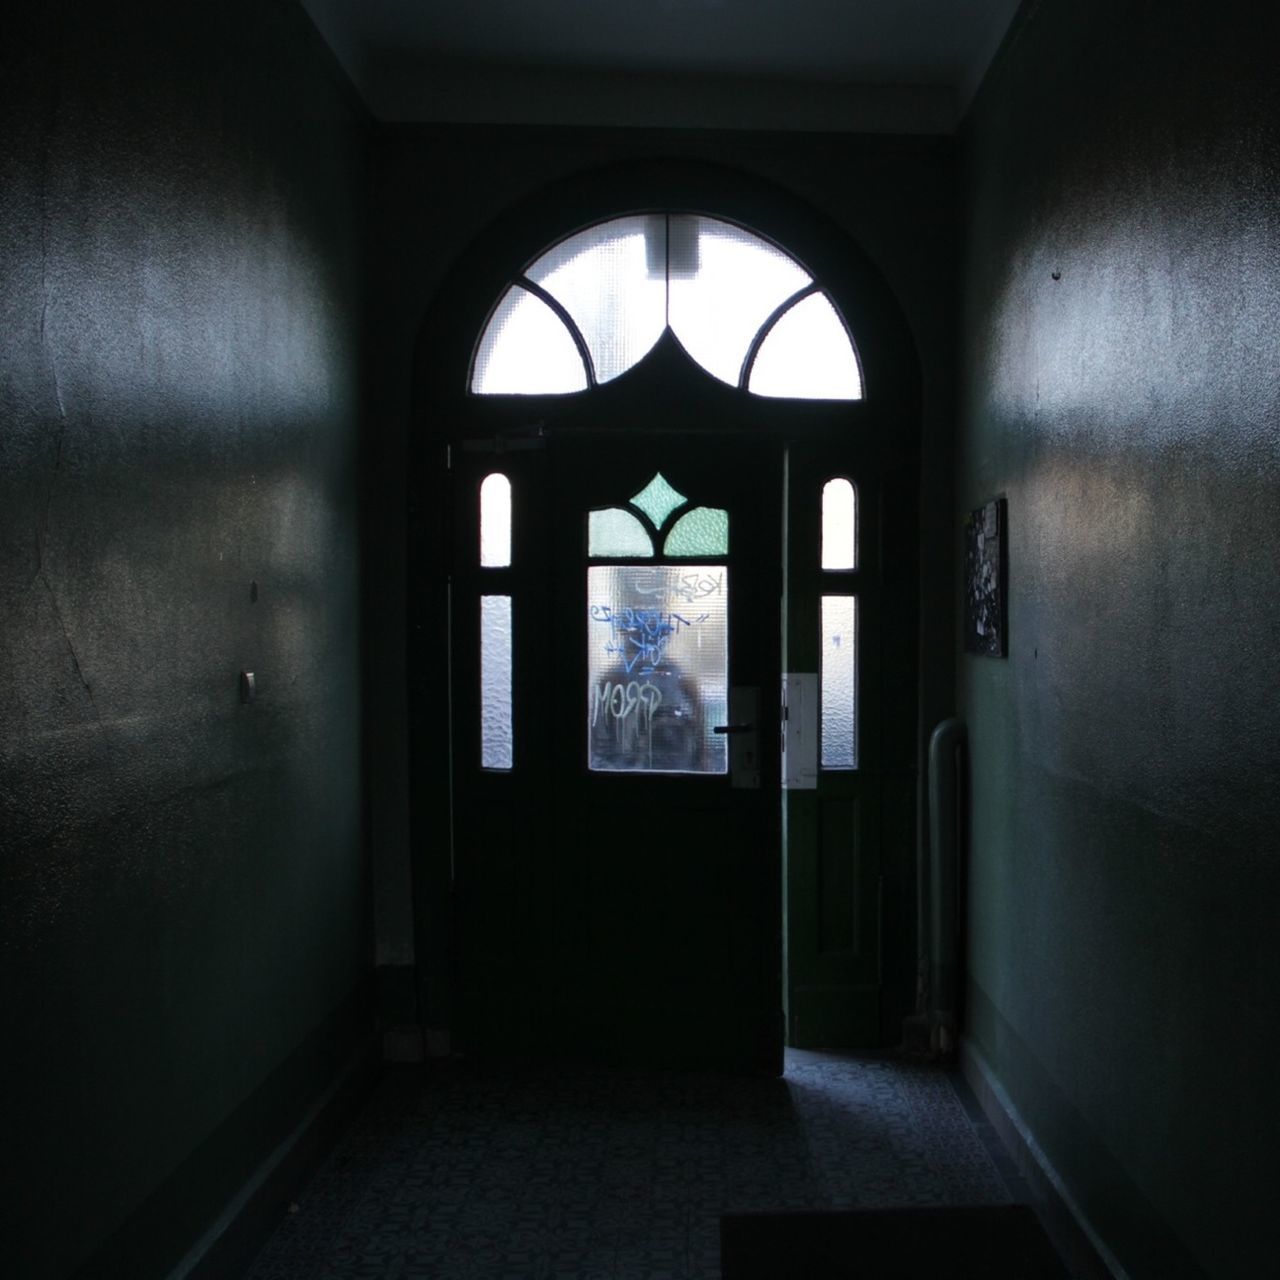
x=991, y=1242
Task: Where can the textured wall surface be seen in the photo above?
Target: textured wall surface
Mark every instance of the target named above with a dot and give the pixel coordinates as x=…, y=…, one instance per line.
x=182, y=901
x=1122, y=307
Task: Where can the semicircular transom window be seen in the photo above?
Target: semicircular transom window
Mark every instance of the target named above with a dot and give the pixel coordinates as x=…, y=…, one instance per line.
x=594, y=305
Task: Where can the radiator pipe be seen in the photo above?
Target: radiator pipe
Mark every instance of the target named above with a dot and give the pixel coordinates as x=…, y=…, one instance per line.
x=946, y=773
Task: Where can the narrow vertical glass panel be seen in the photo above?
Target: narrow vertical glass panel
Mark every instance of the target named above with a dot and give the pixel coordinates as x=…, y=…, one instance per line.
x=807, y=355
x=839, y=525
x=657, y=668
x=838, y=680
x=728, y=283
x=610, y=279
x=615, y=532
x=658, y=499
x=495, y=522
x=495, y=682
x=526, y=350
x=704, y=531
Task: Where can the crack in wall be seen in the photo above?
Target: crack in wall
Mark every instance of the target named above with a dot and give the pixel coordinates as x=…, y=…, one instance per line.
x=66, y=639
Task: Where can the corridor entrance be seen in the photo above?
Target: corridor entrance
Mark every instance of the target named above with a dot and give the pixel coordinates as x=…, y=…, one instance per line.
x=636, y=561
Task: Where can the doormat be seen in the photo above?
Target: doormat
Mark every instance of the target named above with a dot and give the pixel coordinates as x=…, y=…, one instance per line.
x=990, y=1242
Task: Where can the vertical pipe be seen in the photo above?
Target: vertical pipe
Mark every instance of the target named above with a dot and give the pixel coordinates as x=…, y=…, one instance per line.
x=945, y=759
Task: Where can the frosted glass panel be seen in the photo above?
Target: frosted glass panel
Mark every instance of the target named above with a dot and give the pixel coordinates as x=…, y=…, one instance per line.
x=704, y=531
x=610, y=279
x=728, y=285
x=838, y=677
x=495, y=682
x=657, y=668
x=615, y=532
x=807, y=356
x=495, y=522
x=839, y=525
x=526, y=350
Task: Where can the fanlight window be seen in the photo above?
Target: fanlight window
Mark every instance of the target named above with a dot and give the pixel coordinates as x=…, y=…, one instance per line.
x=592, y=306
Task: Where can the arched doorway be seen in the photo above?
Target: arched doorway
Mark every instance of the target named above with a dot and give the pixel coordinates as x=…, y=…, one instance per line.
x=586, y=896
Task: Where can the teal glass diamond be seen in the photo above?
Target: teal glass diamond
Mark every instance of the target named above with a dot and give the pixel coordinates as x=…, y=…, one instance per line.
x=658, y=500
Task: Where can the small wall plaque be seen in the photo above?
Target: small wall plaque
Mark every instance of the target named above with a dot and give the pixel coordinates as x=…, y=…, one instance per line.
x=986, y=611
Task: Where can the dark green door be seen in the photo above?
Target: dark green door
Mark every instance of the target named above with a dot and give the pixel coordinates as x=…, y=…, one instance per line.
x=618, y=875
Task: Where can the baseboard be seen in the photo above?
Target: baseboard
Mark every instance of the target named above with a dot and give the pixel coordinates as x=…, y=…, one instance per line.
x=215, y=1210
x=1082, y=1250
x=247, y=1221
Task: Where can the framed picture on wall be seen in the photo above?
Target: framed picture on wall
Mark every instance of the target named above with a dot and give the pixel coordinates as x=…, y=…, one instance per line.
x=986, y=610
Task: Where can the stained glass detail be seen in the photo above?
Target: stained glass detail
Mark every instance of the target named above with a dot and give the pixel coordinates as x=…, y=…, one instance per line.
x=495, y=682
x=495, y=522
x=658, y=500
x=609, y=278
x=704, y=531
x=807, y=355
x=615, y=532
x=526, y=350
x=839, y=525
x=733, y=282
x=838, y=682
x=657, y=668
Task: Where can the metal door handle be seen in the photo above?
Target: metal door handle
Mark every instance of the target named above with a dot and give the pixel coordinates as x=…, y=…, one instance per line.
x=733, y=728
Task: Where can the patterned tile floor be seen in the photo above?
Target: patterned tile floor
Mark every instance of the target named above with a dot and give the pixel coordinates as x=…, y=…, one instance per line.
x=467, y=1171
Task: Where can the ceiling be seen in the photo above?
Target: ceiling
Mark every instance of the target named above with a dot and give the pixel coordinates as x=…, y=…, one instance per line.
x=886, y=65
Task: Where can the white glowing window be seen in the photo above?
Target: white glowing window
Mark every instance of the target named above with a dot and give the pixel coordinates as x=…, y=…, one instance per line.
x=495, y=522
x=496, y=741
x=610, y=279
x=807, y=356
x=721, y=290
x=526, y=350
x=838, y=682
x=730, y=284
x=839, y=525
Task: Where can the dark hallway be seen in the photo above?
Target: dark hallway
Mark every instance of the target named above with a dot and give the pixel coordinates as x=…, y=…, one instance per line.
x=248, y=252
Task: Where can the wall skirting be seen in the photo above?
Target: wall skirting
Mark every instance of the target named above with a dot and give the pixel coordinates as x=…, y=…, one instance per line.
x=1080, y=1246
x=212, y=1214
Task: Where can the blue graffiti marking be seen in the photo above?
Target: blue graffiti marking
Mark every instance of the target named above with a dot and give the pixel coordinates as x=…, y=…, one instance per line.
x=639, y=637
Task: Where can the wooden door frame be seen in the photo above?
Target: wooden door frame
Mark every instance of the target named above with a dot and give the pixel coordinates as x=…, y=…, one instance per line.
x=886, y=426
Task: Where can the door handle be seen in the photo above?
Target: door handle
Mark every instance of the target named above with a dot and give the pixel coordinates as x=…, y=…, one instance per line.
x=733, y=728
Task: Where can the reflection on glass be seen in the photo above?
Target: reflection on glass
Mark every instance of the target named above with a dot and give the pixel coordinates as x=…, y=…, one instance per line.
x=735, y=282
x=838, y=681
x=526, y=350
x=615, y=532
x=495, y=522
x=704, y=531
x=495, y=682
x=807, y=355
x=602, y=278
x=657, y=668
x=839, y=525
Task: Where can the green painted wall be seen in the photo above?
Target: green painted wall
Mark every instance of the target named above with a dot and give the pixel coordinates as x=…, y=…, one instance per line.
x=182, y=884
x=1121, y=312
